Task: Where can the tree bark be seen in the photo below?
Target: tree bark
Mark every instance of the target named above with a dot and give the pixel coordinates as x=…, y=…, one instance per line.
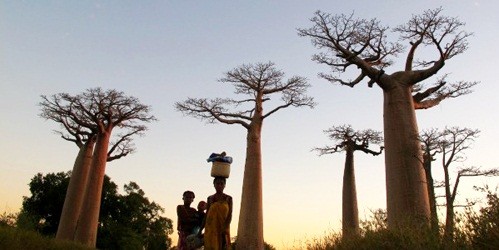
x=406, y=191
x=449, y=213
x=449, y=224
x=75, y=192
x=86, y=231
x=350, y=212
x=431, y=194
x=250, y=227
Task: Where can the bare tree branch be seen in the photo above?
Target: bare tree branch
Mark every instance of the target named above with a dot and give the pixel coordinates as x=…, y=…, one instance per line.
x=344, y=135
x=350, y=42
x=346, y=41
x=83, y=116
x=432, y=96
x=454, y=141
x=258, y=81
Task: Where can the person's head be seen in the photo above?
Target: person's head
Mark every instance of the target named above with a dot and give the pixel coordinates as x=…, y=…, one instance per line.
x=202, y=206
x=219, y=184
x=188, y=197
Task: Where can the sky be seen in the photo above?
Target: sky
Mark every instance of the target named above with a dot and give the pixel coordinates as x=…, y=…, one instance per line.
x=163, y=52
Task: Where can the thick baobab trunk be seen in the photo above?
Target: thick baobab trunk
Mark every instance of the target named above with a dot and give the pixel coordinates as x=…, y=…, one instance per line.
x=86, y=231
x=250, y=228
x=350, y=212
x=406, y=191
x=75, y=192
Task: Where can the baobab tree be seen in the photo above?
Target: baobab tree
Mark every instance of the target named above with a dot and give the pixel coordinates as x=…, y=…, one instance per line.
x=59, y=108
x=351, y=45
x=257, y=83
x=454, y=141
x=450, y=144
x=89, y=119
x=429, y=139
x=77, y=187
x=349, y=141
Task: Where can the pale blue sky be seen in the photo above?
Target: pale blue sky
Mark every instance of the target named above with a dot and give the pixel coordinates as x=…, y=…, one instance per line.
x=165, y=51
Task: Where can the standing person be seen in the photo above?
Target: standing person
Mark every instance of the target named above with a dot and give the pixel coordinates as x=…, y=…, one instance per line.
x=218, y=218
x=188, y=219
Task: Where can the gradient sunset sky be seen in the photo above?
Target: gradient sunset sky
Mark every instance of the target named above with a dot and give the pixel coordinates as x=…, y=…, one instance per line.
x=165, y=51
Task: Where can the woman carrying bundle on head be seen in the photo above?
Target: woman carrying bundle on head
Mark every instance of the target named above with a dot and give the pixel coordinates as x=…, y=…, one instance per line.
x=218, y=217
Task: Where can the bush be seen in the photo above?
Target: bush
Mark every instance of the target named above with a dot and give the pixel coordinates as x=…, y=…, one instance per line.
x=482, y=228
x=8, y=219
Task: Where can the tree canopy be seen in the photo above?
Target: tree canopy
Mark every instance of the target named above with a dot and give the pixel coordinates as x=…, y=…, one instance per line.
x=344, y=136
x=82, y=116
x=259, y=82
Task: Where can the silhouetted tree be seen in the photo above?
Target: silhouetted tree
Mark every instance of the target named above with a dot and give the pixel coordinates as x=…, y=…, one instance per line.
x=100, y=112
x=258, y=82
x=43, y=207
x=349, y=141
x=429, y=145
x=135, y=221
x=453, y=143
x=60, y=108
x=361, y=45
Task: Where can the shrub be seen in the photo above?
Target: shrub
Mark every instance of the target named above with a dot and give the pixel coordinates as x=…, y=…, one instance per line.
x=8, y=219
x=482, y=228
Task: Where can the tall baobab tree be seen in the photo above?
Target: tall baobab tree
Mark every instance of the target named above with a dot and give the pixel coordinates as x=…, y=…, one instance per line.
x=73, y=201
x=454, y=141
x=257, y=83
x=349, y=141
x=59, y=109
x=77, y=186
x=94, y=114
x=429, y=139
x=351, y=45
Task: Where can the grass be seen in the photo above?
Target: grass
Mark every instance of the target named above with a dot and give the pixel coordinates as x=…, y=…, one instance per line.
x=475, y=229
x=382, y=239
x=13, y=238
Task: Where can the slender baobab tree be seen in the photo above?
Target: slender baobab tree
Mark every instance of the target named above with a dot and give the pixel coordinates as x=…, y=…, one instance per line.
x=349, y=141
x=77, y=186
x=59, y=109
x=452, y=144
x=73, y=201
x=94, y=113
x=257, y=82
x=353, y=45
x=429, y=145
